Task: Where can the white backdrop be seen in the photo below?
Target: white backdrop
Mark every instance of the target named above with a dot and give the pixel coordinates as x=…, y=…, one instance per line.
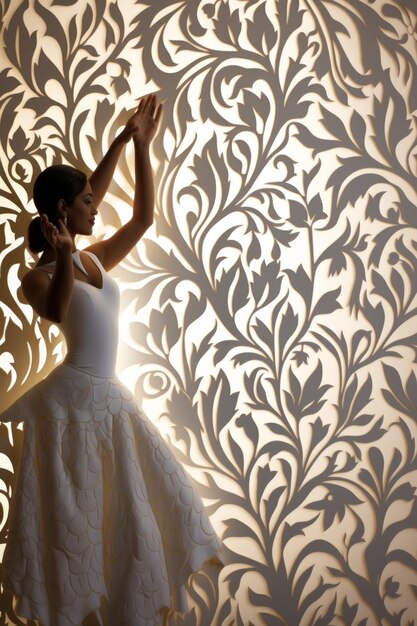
x=269, y=315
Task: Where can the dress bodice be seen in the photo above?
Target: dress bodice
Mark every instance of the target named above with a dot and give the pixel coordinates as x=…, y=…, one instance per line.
x=91, y=325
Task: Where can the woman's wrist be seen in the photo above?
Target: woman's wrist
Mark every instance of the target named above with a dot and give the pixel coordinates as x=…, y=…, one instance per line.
x=118, y=143
x=63, y=252
x=141, y=146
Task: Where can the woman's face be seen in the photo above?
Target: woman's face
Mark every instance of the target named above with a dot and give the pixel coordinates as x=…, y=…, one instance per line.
x=81, y=212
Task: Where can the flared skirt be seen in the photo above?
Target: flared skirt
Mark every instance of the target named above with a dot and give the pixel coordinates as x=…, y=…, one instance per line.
x=103, y=517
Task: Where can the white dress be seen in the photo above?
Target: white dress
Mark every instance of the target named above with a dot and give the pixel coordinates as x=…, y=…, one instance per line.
x=103, y=518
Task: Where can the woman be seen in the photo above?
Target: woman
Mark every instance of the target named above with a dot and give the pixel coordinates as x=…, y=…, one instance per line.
x=104, y=524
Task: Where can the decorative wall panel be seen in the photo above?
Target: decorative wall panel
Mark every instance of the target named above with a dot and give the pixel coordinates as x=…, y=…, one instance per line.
x=269, y=322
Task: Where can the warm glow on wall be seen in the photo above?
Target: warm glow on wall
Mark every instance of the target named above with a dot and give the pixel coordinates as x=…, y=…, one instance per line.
x=268, y=320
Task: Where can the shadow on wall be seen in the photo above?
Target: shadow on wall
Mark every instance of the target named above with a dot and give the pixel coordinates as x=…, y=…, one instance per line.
x=271, y=309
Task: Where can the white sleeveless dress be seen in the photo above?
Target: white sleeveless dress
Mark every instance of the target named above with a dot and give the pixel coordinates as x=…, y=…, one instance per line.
x=103, y=518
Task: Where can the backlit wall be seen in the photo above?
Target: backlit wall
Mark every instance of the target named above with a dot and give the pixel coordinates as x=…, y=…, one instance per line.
x=269, y=316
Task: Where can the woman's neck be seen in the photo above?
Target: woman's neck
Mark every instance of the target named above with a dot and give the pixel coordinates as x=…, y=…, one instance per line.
x=49, y=255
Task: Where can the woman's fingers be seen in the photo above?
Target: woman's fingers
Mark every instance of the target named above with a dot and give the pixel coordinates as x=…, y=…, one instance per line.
x=140, y=105
x=152, y=105
x=49, y=230
x=158, y=113
x=150, y=100
x=147, y=105
x=61, y=226
x=52, y=232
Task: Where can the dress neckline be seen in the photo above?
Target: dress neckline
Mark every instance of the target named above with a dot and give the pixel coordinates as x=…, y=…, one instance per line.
x=77, y=261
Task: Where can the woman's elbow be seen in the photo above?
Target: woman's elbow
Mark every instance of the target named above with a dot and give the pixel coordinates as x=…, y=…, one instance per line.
x=54, y=314
x=148, y=224
x=142, y=225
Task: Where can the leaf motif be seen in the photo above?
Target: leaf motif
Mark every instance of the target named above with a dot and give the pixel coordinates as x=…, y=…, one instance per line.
x=315, y=595
x=301, y=282
x=405, y=492
x=288, y=326
x=391, y=588
x=349, y=611
x=240, y=294
x=301, y=583
x=234, y=579
x=336, y=572
x=225, y=611
x=237, y=528
x=328, y=616
x=259, y=599
x=223, y=348
x=261, y=29
x=272, y=619
x=272, y=501
x=298, y=214
x=179, y=404
x=356, y=340
x=358, y=534
x=46, y=70
x=363, y=420
x=315, y=208
x=87, y=19
x=375, y=315
x=265, y=476
x=292, y=530
x=372, y=435
x=334, y=125
x=277, y=429
x=382, y=289
x=319, y=432
x=327, y=303
x=264, y=333
x=226, y=404
x=117, y=16
x=398, y=398
x=312, y=392
x=367, y=478
x=363, y=397
x=249, y=426
x=84, y=66
x=254, y=250
x=223, y=22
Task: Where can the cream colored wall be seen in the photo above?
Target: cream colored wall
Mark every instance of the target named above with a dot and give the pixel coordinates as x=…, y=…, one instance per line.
x=269, y=315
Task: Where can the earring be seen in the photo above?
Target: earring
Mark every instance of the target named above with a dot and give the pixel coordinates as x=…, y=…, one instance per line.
x=65, y=221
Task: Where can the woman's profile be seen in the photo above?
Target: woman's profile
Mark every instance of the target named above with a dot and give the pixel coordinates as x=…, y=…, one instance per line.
x=104, y=524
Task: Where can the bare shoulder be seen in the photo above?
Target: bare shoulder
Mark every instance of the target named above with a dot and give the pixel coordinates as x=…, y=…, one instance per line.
x=98, y=249
x=33, y=281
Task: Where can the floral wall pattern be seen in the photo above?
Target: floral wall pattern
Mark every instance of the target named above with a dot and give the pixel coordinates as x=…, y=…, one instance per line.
x=269, y=315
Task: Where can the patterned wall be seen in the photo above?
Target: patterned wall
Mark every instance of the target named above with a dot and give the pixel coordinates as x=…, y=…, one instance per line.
x=269, y=315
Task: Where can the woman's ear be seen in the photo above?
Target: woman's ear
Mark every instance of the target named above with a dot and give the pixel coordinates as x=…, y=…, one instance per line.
x=61, y=209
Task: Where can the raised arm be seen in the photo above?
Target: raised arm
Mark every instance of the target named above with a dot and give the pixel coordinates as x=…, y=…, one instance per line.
x=102, y=176
x=50, y=298
x=143, y=126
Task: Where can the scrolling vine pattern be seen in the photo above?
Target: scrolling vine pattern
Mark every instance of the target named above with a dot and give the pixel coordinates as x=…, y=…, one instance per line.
x=276, y=307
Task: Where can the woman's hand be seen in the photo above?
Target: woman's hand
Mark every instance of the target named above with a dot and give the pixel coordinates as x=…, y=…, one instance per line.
x=146, y=119
x=142, y=125
x=57, y=236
